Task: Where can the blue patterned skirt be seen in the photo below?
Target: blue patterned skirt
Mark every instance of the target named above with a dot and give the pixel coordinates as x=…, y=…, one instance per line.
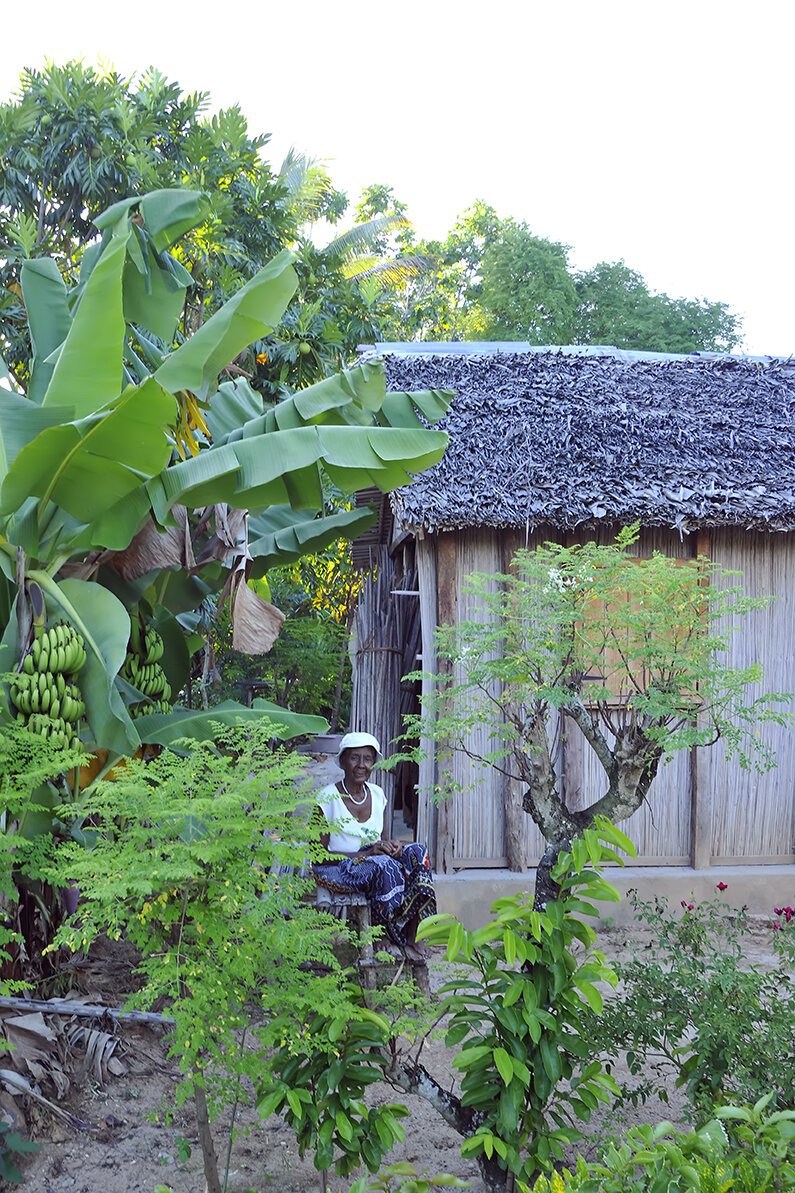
x=398, y=890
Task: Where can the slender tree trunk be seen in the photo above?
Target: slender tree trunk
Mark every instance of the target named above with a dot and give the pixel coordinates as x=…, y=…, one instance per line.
x=415, y=1079
x=335, y=711
x=209, y=1159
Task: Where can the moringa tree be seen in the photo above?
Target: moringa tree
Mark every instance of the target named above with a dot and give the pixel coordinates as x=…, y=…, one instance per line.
x=630, y=652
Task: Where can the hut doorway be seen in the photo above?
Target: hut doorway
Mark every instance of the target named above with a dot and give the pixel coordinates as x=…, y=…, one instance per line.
x=385, y=647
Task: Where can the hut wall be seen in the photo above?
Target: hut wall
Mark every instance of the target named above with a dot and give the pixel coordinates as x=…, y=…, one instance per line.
x=427, y=814
x=661, y=828
x=384, y=645
x=478, y=814
x=702, y=809
x=752, y=814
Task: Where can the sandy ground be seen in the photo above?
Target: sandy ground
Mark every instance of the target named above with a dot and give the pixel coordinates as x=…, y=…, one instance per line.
x=131, y=1148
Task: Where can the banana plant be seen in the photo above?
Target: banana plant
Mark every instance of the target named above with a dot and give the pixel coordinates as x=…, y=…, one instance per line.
x=123, y=430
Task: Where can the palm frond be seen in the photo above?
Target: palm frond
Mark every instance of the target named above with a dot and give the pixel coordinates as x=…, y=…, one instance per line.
x=393, y=272
x=306, y=182
x=361, y=236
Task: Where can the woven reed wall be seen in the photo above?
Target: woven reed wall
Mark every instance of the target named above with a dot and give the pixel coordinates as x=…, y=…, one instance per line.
x=753, y=815
x=750, y=817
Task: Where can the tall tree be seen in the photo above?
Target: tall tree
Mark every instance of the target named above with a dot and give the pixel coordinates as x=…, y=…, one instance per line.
x=616, y=307
x=76, y=140
x=527, y=292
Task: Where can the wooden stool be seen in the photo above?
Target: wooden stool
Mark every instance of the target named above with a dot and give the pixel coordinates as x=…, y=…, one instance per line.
x=357, y=908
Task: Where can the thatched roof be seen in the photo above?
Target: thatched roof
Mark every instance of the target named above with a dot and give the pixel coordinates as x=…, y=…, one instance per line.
x=566, y=438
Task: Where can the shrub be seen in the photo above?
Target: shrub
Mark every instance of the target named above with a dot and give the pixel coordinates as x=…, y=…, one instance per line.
x=692, y=1007
x=743, y=1149
x=517, y=1007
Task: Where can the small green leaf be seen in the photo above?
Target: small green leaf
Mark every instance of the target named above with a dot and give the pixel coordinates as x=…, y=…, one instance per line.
x=504, y=1065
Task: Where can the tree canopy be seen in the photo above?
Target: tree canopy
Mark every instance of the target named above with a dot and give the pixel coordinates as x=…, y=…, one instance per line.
x=75, y=139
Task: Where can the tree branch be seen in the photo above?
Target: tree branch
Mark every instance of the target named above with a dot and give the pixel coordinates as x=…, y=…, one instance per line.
x=583, y=719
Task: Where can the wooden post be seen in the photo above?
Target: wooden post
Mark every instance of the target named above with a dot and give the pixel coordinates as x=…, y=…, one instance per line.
x=701, y=807
x=446, y=611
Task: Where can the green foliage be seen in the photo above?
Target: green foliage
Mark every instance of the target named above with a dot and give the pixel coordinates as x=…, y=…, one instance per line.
x=318, y=1081
x=742, y=1148
x=13, y=1145
x=181, y=863
x=492, y=279
x=527, y=292
x=301, y=669
x=692, y=1005
x=615, y=307
x=308, y=668
x=96, y=451
x=32, y=785
x=517, y=1005
x=404, y=1178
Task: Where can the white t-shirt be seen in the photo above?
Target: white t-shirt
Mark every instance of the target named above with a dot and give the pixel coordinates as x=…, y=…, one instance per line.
x=346, y=833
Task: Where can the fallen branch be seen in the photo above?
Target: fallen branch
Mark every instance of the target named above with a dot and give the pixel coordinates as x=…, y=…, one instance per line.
x=64, y=1006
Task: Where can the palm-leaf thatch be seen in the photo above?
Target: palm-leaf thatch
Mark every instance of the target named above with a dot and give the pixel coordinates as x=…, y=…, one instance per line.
x=570, y=437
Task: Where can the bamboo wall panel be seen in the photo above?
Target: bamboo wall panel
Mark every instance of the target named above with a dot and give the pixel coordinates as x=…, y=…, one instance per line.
x=660, y=829
x=426, y=582
x=512, y=541
x=479, y=818
x=754, y=814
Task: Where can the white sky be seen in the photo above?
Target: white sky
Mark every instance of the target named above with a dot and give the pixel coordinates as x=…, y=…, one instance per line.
x=657, y=132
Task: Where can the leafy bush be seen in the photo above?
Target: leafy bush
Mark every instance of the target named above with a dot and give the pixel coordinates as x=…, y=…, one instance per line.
x=517, y=1006
x=12, y=1145
x=692, y=1007
x=742, y=1149
x=391, y=1180
x=182, y=862
x=319, y=1081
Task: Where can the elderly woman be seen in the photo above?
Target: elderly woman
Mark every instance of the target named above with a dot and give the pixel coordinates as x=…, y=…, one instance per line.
x=396, y=878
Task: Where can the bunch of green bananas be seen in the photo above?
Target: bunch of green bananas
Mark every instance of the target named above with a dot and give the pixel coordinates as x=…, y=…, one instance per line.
x=60, y=648
x=142, y=669
x=45, y=700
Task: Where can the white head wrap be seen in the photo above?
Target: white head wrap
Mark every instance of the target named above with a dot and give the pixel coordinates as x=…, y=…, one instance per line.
x=351, y=740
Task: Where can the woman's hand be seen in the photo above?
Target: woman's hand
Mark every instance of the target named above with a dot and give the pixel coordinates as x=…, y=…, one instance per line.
x=388, y=848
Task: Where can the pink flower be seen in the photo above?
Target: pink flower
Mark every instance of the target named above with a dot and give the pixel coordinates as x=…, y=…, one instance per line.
x=723, y=886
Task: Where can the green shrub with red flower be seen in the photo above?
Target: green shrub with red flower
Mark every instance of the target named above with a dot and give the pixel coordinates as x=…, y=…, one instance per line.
x=692, y=1006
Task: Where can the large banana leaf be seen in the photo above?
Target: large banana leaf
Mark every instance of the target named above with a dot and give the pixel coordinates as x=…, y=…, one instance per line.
x=281, y=534
x=251, y=314
x=20, y=422
x=282, y=468
x=154, y=286
x=95, y=463
x=352, y=397
x=153, y=297
x=168, y=214
x=88, y=372
x=164, y=729
x=49, y=320
x=105, y=625
x=232, y=405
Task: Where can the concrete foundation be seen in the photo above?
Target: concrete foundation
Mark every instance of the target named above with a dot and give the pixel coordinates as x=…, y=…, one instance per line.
x=470, y=893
